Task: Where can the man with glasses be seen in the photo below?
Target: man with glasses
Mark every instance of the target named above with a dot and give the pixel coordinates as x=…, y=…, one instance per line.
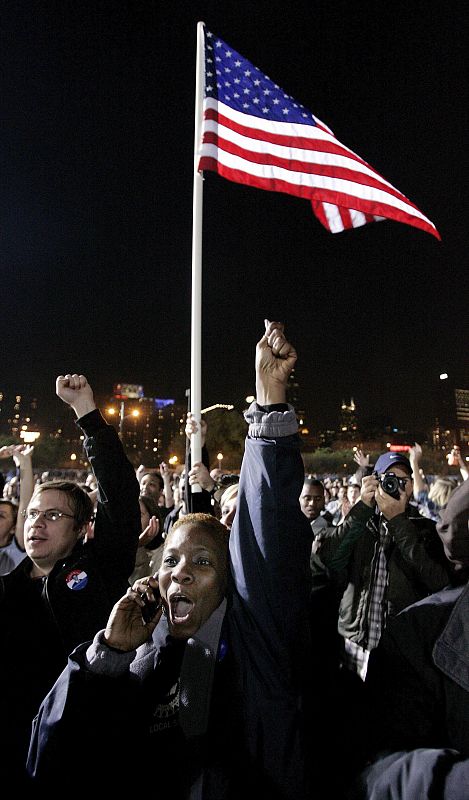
x=65, y=588
x=385, y=558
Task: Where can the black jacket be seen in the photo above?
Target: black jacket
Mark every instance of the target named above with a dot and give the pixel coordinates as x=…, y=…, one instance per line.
x=43, y=620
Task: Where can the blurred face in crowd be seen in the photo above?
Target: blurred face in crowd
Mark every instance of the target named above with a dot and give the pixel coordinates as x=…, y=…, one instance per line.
x=353, y=493
x=192, y=576
x=312, y=501
x=47, y=541
x=151, y=485
x=228, y=511
x=7, y=523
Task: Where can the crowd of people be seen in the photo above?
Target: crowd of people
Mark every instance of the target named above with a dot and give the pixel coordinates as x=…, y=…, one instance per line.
x=292, y=635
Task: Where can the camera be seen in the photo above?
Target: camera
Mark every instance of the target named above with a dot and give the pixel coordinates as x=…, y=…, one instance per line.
x=391, y=484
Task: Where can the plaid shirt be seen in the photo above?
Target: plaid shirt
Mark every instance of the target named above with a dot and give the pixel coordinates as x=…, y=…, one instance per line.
x=356, y=657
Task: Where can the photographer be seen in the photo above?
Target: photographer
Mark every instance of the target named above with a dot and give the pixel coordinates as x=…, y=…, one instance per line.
x=385, y=558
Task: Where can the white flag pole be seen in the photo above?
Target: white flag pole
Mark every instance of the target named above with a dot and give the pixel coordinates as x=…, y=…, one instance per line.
x=197, y=207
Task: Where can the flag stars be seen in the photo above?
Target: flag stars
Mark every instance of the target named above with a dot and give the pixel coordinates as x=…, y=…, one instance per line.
x=245, y=105
x=265, y=110
x=285, y=111
x=228, y=53
x=218, y=43
x=237, y=63
x=267, y=92
x=256, y=100
x=276, y=101
x=246, y=91
x=257, y=82
x=237, y=80
x=247, y=73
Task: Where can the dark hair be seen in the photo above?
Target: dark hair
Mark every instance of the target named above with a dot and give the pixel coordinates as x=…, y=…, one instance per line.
x=13, y=506
x=80, y=501
x=227, y=479
x=156, y=475
x=313, y=482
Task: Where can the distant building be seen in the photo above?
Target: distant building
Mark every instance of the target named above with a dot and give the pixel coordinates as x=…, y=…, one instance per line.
x=18, y=413
x=348, y=423
x=149, y=427
x=309, y=442
x=452, y=415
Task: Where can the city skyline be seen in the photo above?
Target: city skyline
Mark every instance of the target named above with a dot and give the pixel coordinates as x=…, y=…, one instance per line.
x=451, y=410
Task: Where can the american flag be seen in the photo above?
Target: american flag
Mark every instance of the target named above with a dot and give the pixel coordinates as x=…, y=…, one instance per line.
x=255, y=133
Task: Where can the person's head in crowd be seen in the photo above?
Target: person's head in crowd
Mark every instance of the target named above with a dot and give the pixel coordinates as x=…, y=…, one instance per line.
x=8, y=515
x=228, y=501
x=453, y=529
x=397, y=464
x=57, y=516
x=441, y=490
x=312, y=500
x=151, y=483
x=193, y=575
x=353, y=493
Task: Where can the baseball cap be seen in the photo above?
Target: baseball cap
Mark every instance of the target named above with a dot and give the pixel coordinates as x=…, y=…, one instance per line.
x=387, y=460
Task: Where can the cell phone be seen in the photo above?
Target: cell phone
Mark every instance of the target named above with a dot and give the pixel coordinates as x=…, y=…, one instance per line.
x=150, y=607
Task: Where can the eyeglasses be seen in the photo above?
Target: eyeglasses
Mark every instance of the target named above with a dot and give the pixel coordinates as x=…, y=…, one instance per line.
x=51, y=514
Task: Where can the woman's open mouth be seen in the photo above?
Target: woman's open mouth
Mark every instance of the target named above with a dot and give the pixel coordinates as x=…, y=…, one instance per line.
x=180, y=609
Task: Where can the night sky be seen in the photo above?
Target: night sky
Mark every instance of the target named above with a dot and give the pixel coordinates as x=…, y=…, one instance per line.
x=96, y=164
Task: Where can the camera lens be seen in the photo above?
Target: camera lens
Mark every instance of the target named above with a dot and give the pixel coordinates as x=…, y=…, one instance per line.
x=390, y=484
